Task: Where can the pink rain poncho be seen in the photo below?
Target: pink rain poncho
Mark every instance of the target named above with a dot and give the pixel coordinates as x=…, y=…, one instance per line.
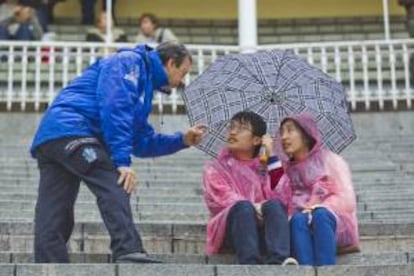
x=227, y=180
x=324, y=179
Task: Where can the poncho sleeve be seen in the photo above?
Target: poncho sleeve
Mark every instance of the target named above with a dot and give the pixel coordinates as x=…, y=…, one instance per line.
x=218, y=192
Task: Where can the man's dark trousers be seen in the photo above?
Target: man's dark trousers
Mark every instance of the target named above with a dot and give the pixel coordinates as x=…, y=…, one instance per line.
x=63, y=163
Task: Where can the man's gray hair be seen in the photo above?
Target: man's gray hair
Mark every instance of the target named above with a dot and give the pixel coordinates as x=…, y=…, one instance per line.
x=173, y=50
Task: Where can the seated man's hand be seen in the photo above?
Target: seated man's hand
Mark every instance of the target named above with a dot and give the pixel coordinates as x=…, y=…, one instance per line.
x=127, y=178
x=267, y=143
x=194, y=135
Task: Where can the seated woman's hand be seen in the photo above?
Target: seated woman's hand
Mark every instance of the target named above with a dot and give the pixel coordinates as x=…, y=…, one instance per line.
x=259, y=214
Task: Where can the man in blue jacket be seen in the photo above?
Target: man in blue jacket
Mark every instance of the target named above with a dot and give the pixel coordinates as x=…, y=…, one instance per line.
x=90, y=132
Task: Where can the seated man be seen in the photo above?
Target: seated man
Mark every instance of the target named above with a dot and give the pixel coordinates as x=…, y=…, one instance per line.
x=18, y=22
x=237, y=191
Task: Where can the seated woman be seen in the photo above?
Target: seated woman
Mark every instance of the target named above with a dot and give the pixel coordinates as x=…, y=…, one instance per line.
x=318, y=191
x=237, y=192
x=98, y=33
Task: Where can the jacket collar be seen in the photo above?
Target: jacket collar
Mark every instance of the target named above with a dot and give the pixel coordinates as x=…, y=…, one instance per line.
x=159, y=75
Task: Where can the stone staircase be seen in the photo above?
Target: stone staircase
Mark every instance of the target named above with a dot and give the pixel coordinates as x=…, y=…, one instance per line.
x=170, y=214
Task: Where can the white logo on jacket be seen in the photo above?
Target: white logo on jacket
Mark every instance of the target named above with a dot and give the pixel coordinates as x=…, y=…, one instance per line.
x=133, y=76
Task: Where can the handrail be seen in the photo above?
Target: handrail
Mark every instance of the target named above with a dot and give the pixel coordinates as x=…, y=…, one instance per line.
x=372, y=71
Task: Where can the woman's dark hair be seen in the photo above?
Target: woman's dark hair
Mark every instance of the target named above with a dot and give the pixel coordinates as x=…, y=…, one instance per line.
x=259, y=127
x=151, y=17
x=173, y=50
x=307, y=139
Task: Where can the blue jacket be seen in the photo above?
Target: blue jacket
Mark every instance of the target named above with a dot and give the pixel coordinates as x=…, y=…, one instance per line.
x=112, y=100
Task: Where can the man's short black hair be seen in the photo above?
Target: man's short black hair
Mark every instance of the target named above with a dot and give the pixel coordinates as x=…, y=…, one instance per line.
x=257, y=123
x=173, y=50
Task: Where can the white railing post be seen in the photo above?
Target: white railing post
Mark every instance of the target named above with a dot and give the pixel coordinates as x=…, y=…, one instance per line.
x=38, y=63
x=378, y=61
x=92, y=55
x=65, y=64
x=10, y=78
x=79, y=59
x=393, y=76
x=51, y=92
x=407, y=78
x=174, y=101
x=296, y=51
x=324, y=60
x=213, y=55
x=337, y=61
x=159, y=100
x=200, y=61
x=351, y=63
x=310, y=55
x=366, y=77
x=187, y=79
x=24, y=80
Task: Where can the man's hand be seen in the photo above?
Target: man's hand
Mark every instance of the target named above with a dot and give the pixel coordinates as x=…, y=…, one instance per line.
x=127, y=178
x=194, y=135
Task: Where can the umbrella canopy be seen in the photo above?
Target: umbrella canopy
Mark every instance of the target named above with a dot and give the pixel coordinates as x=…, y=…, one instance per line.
x=273, y=84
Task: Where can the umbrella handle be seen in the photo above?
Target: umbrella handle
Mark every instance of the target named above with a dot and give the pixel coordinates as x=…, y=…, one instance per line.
x=263, y=156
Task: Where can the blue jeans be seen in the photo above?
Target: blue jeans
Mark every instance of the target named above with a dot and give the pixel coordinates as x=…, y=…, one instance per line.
x=315, y=243
x=249, y=240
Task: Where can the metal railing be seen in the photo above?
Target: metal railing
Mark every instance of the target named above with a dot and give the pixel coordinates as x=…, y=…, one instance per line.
x=31, y=73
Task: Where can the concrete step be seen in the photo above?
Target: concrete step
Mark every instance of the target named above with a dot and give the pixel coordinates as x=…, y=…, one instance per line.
x=176, y=172
x=186, y=203
x=361, y=181
x=198, y=269
x=141, y=191
x=181, y=207
x=187, y=238
x=143, y=269
x=89, y=197
x=185, y=191
x=384, y=258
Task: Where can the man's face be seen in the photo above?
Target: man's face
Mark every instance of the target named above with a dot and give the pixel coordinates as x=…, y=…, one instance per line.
x=240, y=138
x=177, y=73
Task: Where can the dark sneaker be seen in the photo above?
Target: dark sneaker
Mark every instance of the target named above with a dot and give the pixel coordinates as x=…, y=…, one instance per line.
x=137, y=257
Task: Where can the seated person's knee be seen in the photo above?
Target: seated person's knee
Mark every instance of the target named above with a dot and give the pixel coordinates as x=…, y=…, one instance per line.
x=299, y=219
x=273, y=204
x=244, y=206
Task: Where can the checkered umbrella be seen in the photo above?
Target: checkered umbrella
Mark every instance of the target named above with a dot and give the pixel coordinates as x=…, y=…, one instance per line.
x=273, y=84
